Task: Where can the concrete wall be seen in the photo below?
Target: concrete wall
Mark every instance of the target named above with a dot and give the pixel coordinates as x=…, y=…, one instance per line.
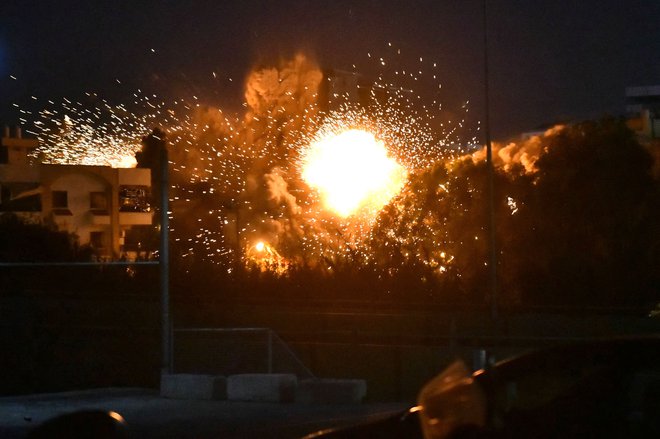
x=81, y=221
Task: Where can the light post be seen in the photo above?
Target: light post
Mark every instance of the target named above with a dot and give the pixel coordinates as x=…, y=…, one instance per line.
x=164, y=265
x=492, y=244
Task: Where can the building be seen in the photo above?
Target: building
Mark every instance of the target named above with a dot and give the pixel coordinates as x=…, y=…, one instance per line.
x=643, y=111
x=106, y=208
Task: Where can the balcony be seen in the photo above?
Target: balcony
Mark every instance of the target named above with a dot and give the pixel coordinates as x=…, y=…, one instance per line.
x=62, y=211
x=135, y=218
x=100, y=217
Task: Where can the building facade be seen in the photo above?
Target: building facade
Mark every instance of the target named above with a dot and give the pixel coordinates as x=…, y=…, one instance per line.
x=107, y=208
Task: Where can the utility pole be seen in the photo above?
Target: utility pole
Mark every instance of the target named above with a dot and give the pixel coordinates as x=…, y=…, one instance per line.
x=164, y=264
x=154, y=156
x=492, y=244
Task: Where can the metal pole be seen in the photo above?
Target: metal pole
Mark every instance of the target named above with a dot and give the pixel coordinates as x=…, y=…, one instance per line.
x=492, y=244
x=270, y=350
x=166, y=326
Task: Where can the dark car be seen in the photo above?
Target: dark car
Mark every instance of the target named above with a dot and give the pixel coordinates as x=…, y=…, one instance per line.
x=595, y=389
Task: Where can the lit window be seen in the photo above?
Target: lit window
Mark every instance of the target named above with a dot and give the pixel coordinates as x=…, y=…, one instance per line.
x=134, y=199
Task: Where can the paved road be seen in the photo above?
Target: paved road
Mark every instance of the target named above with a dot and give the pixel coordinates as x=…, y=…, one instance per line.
x=149, y=415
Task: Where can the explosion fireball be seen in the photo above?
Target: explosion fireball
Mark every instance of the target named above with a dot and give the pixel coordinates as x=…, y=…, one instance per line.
x=288, y=181
x=352, y=172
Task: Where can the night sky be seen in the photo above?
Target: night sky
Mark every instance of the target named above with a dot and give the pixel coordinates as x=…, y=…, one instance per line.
x=549, y=60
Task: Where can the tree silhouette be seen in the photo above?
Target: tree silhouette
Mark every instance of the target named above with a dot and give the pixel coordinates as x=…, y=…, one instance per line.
x=32, y=242
x=589, y=221
x=580, y=230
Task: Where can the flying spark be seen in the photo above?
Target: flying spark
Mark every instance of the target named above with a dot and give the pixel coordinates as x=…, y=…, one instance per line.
x=287, y=182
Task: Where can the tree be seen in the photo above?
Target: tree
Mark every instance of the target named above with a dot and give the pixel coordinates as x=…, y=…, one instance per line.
x=33, y=242
x=589, y=221
x=578, y=228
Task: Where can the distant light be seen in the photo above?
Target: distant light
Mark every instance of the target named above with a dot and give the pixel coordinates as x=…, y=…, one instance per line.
x=117, y=417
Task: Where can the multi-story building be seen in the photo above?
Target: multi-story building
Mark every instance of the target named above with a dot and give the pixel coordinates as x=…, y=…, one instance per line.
x=106, y=208
x=643, y=110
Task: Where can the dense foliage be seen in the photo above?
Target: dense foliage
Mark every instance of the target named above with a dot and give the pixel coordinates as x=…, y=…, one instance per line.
x=24, y=241
x=576, y=226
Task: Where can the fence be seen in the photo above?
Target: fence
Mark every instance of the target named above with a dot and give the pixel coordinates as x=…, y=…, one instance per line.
x=230, y=351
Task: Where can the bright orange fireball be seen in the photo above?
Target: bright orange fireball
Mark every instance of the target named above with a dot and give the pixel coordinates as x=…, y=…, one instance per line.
x=352, y=172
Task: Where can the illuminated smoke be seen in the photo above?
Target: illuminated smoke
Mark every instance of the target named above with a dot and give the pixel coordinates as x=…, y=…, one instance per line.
x=280, y=92
x=255, y=164
x=237, y=179
x=278, y=192
x=519, y=155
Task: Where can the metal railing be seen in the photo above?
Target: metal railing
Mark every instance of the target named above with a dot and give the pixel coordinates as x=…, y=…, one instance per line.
x=234, y=350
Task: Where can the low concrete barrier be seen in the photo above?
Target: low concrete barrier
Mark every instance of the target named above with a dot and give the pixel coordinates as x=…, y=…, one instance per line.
x=193, y=386
x=331, y=391
x=262, y=387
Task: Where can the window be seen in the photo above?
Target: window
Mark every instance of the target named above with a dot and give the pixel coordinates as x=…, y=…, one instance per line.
x=5, y=194
x=60, y=200
x=98, y=201
x=134, y=199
